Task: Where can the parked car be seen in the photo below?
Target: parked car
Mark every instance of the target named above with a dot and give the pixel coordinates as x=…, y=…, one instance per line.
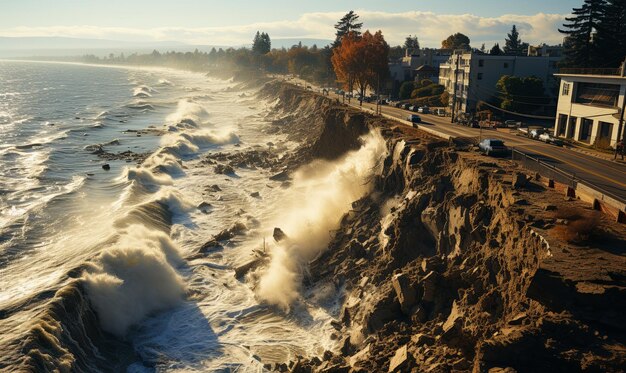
x=398, y=104
x=413, y=108
x=414, y=118
x=535, y=133
x=548, y=138
x=473, y=123
x=382, y=101
x=406, y=106
x=440, y=112
x=493, y=147
x=424, y=110
x=512, y=124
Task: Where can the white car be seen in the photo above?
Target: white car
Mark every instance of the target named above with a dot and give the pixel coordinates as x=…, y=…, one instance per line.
x=547, y=138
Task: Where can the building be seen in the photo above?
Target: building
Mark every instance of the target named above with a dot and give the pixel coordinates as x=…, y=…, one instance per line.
x=407, y=67
x=471, y=77
x=545, y=50
x=589, y=106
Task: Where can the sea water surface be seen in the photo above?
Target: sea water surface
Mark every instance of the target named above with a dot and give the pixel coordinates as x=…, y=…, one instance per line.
x=77, y=239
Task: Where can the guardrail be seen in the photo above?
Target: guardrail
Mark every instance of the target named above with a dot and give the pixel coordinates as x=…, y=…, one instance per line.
x=595, y=193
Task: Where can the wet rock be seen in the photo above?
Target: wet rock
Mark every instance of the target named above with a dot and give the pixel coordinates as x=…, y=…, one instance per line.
x=106, y=167
x=281, y=176
x=205, y=207
x=405, y=293
x=549, y=207
x=224, y=169
x=255, y=195
x=279, y=235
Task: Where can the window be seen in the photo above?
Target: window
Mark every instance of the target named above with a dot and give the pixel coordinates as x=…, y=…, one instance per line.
x=562, y=124
x=565, y=89
x=480, y=76
x=597, y=94
x=506, y=65
x=481, y=63
x=585, y=130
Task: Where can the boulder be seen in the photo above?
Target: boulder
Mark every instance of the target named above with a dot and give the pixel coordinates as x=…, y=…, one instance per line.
x=106, y=167
x=279, y=235
x=364, y=354
x=400, y=360
x=520, y=180
x=429, y=285
x=405, y=293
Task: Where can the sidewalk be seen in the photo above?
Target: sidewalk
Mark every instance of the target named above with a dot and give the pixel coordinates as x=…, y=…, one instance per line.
x=597, y=154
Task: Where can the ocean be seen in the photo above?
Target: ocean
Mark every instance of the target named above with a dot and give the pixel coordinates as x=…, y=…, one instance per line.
x=108, y=189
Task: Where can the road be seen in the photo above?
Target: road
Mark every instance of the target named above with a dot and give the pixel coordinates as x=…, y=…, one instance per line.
x=606, y=174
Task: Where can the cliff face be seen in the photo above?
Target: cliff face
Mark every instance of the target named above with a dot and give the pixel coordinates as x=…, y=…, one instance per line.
x=455, y=263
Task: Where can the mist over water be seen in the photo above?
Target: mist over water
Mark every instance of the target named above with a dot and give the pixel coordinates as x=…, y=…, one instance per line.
x=105, y=264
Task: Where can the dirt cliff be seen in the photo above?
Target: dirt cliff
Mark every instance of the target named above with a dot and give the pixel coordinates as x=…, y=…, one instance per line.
x=459, y=262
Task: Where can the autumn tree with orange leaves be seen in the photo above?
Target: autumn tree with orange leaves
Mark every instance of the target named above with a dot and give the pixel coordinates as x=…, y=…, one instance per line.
x=361, y=61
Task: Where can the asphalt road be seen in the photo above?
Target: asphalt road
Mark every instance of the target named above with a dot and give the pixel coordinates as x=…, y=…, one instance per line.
x=606, y=174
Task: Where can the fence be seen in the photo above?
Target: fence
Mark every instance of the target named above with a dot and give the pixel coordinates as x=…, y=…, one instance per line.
x=567, y=179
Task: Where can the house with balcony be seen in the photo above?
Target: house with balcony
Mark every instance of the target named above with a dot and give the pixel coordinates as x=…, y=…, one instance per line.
x=471, y=77
x=590, y=105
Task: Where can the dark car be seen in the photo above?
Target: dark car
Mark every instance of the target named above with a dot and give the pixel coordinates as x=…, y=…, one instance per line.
x=493, y=147
x=398, y=104
x=406, y=106
x=424, y=110
x=413, y=108
x=414, y=118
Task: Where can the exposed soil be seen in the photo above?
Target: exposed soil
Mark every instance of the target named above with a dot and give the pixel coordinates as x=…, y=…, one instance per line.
x=458, y=262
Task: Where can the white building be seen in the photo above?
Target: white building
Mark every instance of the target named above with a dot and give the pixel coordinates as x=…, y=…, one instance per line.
x=471, y=77
x=589, y=106
x=406, y=68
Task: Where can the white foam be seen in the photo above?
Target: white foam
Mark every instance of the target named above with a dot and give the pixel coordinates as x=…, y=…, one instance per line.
x=134, y=278
x=322, y=193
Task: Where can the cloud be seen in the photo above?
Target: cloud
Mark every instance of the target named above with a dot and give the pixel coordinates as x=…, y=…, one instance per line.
x=430, y=28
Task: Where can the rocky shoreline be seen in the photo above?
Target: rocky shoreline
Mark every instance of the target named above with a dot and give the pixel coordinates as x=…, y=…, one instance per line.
x=457, y=262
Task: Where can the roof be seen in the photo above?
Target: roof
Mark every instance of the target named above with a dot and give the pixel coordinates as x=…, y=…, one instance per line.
x=426, y=68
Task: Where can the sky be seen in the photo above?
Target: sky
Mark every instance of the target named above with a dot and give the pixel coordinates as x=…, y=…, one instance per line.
x=234, y=22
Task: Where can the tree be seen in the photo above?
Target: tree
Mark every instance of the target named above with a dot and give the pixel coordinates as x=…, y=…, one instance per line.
x=513, y=44
x=406, y=89
x=611, y=33
x=361, y=61
x=411, y=44
x=261, y=44
x=522, y=95
x=347, y=24
x=456, y=41
x=580, y=47
x=483, y=49
x=495, y=50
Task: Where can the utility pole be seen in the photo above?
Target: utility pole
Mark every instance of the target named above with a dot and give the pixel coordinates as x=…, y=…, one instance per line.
x=453, y=117
x=378, y=109
x=620, y=124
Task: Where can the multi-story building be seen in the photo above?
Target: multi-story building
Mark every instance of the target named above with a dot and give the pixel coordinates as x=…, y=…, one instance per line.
x=544, y=50
x=471, y=77
x=407, y=67
x=590, y=105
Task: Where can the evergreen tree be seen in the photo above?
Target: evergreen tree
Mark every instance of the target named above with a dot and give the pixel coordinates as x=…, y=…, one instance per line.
x=580, y=44
x=347, y=23
x=261, y=43
x=495, y=50
x=512, y=44
x=412, y=44
x=483, y=49
x=611, y=33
